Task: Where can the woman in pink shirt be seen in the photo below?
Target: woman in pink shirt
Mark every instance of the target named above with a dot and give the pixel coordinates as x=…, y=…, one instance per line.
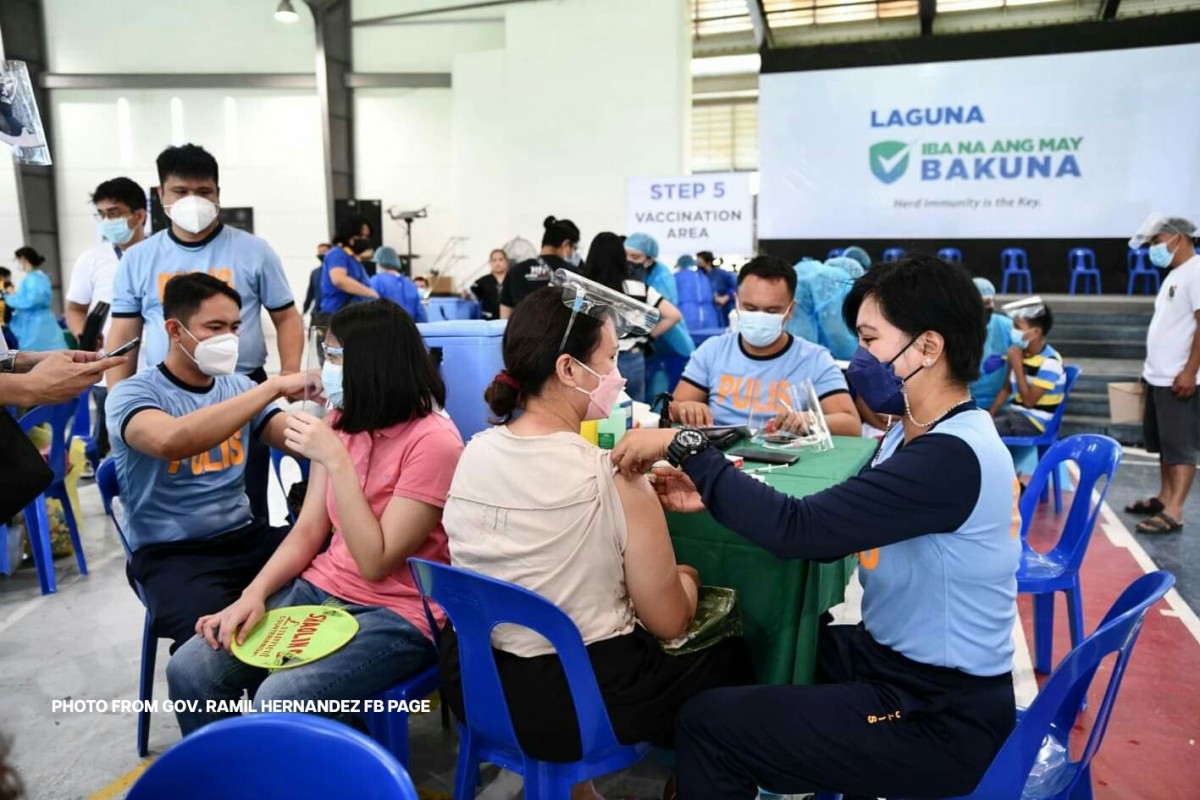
x=382, y=462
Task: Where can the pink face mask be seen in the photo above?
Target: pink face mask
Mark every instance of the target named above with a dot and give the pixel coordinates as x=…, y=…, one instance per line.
x=602, y=399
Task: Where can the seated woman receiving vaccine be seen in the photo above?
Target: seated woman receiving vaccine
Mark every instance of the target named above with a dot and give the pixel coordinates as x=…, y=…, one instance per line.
x=381, y=467
x=915, y=701
x=533, y=503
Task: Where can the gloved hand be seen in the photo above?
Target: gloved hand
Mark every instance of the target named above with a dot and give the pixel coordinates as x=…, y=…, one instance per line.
x=992, y=363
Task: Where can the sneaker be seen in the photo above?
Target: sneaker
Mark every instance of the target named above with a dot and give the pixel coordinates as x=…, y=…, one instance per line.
x=89, y=472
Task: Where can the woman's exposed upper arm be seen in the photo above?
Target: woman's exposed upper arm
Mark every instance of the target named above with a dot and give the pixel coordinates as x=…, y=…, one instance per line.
x=651, y=575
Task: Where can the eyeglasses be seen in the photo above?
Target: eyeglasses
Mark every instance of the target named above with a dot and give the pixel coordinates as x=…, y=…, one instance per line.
x=332, y=353
x=112, y=213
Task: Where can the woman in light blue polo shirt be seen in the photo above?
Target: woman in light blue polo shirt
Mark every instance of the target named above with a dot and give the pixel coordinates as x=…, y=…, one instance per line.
x=916, y=700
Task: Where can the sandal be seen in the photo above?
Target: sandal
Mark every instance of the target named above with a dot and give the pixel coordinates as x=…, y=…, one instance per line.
x=1160, y=523
x=1150, y=506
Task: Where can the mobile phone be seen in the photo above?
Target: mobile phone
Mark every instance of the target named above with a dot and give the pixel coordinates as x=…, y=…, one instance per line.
x=125, y=348
x=764, y=456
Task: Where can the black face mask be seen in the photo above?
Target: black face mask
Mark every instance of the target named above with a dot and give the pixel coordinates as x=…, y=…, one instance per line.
x=987, y=315
x=637, y=272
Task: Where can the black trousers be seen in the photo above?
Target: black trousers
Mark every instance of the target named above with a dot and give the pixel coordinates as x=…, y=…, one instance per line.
x=880, y=726
x=183, y=581
x=642, y=687
x=258, y=467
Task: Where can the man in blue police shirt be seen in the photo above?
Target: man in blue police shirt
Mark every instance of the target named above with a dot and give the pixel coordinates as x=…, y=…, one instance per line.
x=181, y=435
x=198, y=242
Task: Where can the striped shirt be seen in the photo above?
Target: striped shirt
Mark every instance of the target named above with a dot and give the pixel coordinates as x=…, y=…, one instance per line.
x=1044, y=371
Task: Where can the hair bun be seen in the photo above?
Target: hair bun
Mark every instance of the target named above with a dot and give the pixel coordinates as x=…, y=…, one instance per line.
x=549, y=221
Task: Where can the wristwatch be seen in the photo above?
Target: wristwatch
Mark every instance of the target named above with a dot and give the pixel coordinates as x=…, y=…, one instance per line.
x=8, y=362
x=687, y=442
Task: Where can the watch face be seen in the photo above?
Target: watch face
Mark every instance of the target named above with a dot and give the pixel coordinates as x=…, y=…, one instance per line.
x=691, y=439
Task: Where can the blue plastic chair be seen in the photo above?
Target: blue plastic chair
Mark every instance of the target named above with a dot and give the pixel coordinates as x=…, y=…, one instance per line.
x=951, y=254
x=390, y=728
x=1054, y=710
x=277, y=457
x=1139, y=267
x=1082, y=261
x=893, y=254
x=476, y=604
x=1015, y=262
x=835, y=252
x=110, y=489
x=59, y=418
x=297, y=756
x=82, y=427
x=1047, y=438
x=1044, y=574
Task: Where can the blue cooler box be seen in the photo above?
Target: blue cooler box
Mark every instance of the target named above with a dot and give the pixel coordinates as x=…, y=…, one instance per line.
x=471, y=357
x=449, y=308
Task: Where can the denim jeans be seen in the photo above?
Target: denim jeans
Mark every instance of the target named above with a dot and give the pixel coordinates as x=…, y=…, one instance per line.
x=632, y=364
x=386, y=650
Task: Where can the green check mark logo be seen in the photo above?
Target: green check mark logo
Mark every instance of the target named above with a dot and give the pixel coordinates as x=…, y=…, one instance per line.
x=889, y=160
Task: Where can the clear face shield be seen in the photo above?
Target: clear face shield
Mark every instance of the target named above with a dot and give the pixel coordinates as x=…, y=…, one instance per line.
x=1027, y=308
x=802, y=400
x=584, y=296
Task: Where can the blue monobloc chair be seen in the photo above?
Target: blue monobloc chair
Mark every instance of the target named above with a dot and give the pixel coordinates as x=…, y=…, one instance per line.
x=1045, y=574
x=1015, y=263
x=110, y=490
x=297, y=756
x=82, y=427
x=476, y=604
x=1046, y=438
x=951, y=254
x=390, y=728
x=59, y=418
x=277, y=457
x=834, y=253
x=1054, y=710
x=1139, y=266
x=893, y=254
x=1082, y=261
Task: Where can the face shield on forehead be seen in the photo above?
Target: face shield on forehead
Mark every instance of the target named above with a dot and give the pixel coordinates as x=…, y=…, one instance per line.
x=1028, y=308
x=583, y=296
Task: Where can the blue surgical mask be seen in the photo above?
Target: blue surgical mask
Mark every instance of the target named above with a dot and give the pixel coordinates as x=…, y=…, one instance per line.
x=760, y=328
x=877, y=383
x=1018, y=338
x=574, y=259
x=1160, y=256
x=116, y=231
x=331, y=379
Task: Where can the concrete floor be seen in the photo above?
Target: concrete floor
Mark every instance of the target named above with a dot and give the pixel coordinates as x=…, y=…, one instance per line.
x=83, y=643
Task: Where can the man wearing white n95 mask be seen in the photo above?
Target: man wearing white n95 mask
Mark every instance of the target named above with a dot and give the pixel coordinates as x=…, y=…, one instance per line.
x=181, y=434
x=732, y=378
x=198, y=242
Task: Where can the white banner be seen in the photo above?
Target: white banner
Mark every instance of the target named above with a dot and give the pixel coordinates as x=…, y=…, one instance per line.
x=713, y=211
x=1076, y=145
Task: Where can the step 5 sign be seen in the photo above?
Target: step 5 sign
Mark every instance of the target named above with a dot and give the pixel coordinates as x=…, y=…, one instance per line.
x=714, y=211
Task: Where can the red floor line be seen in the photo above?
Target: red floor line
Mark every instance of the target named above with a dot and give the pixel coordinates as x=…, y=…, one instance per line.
x=1150, y=751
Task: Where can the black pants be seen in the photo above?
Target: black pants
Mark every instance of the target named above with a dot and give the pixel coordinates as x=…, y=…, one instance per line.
x=258, y=467
x=183, y=581
x=881, y=726
x=99, y=427
x=1010, y=422
x=642, y=688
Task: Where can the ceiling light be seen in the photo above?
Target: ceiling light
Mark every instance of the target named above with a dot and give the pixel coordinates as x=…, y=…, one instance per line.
x=285, y=13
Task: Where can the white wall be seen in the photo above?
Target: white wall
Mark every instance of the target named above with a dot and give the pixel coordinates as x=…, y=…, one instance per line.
x=586, y=94
x=10, y=212
x=403, y=157
x=116, y=36
x=267, y=143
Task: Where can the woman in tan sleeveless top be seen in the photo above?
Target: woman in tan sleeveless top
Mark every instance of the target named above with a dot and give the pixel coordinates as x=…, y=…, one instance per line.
x=535, y=504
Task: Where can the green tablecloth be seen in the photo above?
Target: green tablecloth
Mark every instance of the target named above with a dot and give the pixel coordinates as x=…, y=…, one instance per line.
x=781, y=601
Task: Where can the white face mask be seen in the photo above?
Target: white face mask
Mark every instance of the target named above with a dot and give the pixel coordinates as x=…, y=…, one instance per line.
x=193, y=213
x=217, y=355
